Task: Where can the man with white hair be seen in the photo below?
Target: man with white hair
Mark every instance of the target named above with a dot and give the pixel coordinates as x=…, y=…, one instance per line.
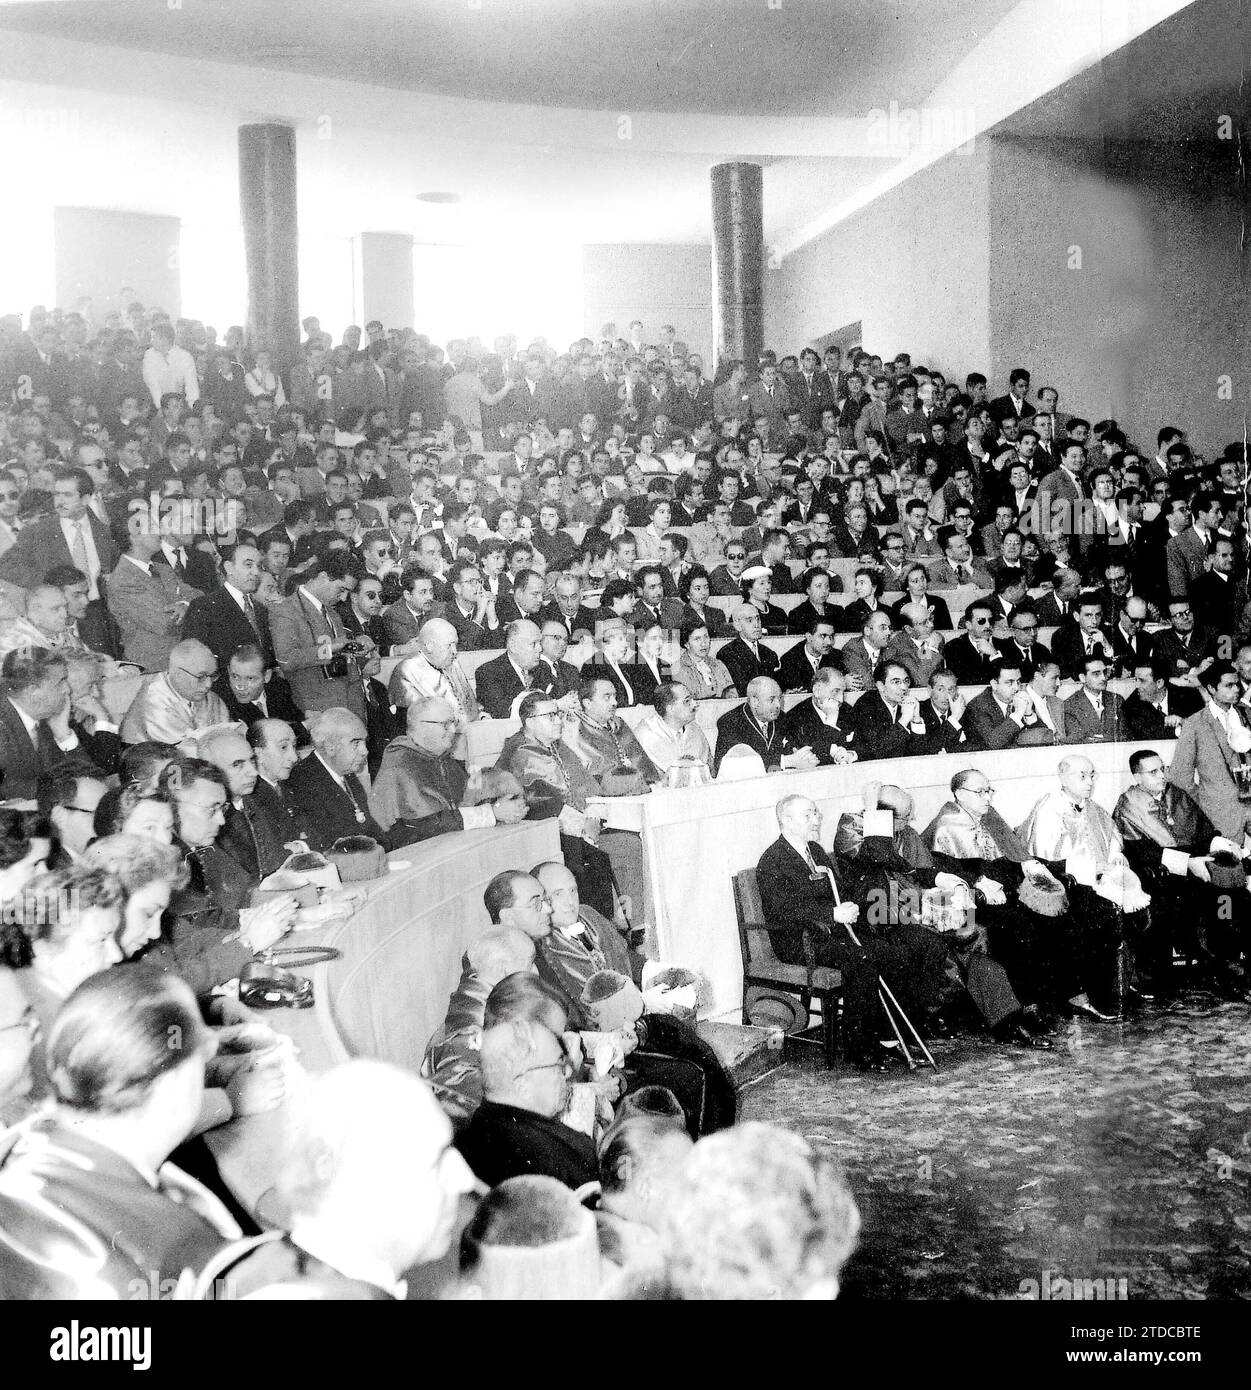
x=526, y=1072
x=434, y=672
x=327, y=784
x=917, y=648
x=371, y=1183
x=745, y=656
x=422, y=791
x=802, y=897
x=45, y=622
x=501, y=681
x=1068, y=827
x=178, y=703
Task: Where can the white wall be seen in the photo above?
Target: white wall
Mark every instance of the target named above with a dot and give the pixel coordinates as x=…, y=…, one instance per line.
x=655, y=283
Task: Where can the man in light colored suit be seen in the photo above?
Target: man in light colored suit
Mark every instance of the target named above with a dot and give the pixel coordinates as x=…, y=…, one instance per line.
x=862, y=654
x=1094, y=714
x=146, y=601
x=917, y=648
x=1186, y=554
x=958, y=569
x=1047, y=704
x=769, y=397
x=74, y=536
x=1061, y=496
x=309, y=638
x=1206, y=761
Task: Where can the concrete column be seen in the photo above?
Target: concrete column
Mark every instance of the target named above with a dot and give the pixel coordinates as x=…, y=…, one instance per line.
x=738, y=262
x=383, y=267
x=270, y=237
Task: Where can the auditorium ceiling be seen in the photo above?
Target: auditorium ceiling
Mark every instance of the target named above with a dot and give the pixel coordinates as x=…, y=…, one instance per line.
x=707, y=57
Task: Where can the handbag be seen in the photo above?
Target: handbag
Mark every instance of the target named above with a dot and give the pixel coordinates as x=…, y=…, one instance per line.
x=358, y=857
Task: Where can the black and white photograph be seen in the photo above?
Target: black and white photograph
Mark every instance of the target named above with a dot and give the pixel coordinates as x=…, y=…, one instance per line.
x=625, y=667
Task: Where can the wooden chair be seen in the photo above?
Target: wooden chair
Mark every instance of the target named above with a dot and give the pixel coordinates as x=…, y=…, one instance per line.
x=761, y=966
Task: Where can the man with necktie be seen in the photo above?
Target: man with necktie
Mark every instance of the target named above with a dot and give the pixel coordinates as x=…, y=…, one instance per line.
x=309, y=641
x=327, y=784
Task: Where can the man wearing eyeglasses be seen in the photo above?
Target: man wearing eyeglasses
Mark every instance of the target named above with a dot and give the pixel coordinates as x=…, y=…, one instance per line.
x=174, y=705
x=526, y=1071
x=69, y=798
x=422, y=791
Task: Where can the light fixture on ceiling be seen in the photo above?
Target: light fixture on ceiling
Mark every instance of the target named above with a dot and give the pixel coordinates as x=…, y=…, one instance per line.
x=441, y=198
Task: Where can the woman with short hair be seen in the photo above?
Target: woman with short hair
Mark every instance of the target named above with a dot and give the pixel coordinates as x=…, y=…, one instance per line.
x=697, y=669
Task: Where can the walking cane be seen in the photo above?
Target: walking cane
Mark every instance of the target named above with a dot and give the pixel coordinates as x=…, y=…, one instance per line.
x=889, y=1003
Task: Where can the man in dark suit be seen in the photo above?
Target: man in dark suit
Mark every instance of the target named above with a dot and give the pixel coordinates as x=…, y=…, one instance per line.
x=757, y=725
x=553, y=674
x=801, y=896
x=252, y=690
x=810, y=389
x=274, y=743
x=568, y=609
x=1082, y=636
x=1014, y=403
x=970, y=656
x=1055, y=607
x=886, y=722
x=515, y=1132
x=815, y=653
x=228, y=618
x=691, y=405
x=1131, y=645
x=499, y=682
x=37, y=734
x=1003, y=715
x=1217, y=597
x=746, y=656
x=943, y=714
x=327, y=783
x=1154, y=709
x=1184, y=645
x=821, y=723
x=74, y=536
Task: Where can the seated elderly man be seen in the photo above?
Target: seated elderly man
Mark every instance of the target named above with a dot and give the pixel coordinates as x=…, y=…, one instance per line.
x=370, y=1184
x=451, y=1061
x=252, y=840
x=888, y=868
x=274, y=744
x=603, y=740
x=177, y=704
x=502, y=681
x=745, y=656
x=434, y=672
x=1069, y=829
x=526, y=1071
x=37, y=730
x=669, y=734
x=1169, y=843
x=917, y=647
x=555, y=782
x=422, y=791
x=820, y=723
x=328, y=786
x=45, y=624
x=757, y=724
x=802, y=894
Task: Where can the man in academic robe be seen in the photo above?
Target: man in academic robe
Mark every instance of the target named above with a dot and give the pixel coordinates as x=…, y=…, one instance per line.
x=892, y=871
x=1069, y=829
x=422, y=791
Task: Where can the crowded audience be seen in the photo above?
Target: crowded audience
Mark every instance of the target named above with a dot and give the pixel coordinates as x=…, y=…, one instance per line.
x=264, y=624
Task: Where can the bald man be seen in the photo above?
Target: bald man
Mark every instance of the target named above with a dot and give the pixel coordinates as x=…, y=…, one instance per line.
x=178, y=703
x=328, y=786
x=371, y=1184
x=45, y=624
x=434, y=671
x=502, y=681
x=757, y=724
x=422, y=791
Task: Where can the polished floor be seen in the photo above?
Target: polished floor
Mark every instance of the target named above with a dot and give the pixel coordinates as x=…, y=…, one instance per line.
x=1117, y=1166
